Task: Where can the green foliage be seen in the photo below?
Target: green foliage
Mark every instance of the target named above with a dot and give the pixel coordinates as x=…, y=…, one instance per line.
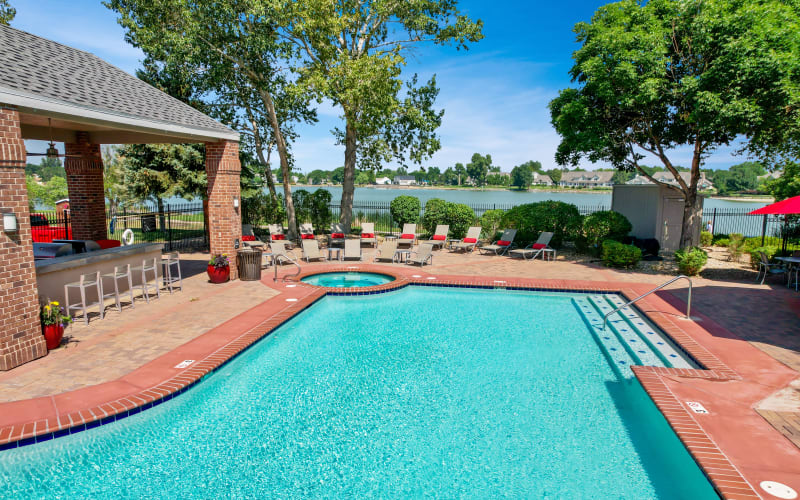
x=562, y=219
x=755, y=257
x=735, y=246
x=788, y=184
x=616, y=254
x=522, y=176
x=48, y=193
x=490, y=223
x=435, y=213
x=478, y=167
x=459, y=217
x=313, y=207
x=739, y=178
x=46, y=169
x=705, y=239
x=259, y=208
x=718, y=237
x=691, y=260
x=600, y=226
x=7, y=12
x=155, y=171
x=405, y=210
x=722, y=242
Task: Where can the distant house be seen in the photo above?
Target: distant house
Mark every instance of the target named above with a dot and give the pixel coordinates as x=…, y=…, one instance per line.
x=541, y=179
x=703, y=183
x=586, y=179
x=770, y=176
x=405, y=180
x=383, y=181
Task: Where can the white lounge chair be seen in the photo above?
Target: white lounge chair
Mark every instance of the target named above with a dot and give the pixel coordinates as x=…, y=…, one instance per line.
x=368, y=234
x=352, y=250
x=541, y=247
x=249, y=238
x=337, y=236
x=307, y=231
x=311, y=250
x=501, y=246
x=439, y=237
x=408, y=236
x=386, y=250
x=469, y=242
x=423, y=255
x=280, y=252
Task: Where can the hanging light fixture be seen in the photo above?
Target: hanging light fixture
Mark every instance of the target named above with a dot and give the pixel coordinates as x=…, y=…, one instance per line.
x=52, y=152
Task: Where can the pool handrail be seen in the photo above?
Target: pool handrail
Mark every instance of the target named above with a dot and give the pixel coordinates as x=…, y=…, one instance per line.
x=659, y=287
x=286, y=257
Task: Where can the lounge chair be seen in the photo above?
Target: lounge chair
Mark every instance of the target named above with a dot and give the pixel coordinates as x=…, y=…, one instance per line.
x=276, y=234
x=352, y=250
x=337, y=235
x=469, y=242
x=386, y=250
x=368, y=234
x=307, y=232
x=439, y=237
x=423, y=254
x=541, y=247
x=311, y=250
x=280, y=252
x=249, y=238
x=408, y=236
x=501, y=246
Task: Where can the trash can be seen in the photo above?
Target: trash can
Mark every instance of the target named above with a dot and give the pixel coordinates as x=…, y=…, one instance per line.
x=249, y=262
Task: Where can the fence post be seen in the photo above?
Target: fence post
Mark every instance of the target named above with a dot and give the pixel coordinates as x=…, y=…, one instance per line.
x=125, y=217
x=66, y=225
x=169, y=227
x=764, y=230
x=714, y=223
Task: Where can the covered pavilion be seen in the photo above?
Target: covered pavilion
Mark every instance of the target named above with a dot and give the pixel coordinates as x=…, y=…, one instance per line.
x=49, y=91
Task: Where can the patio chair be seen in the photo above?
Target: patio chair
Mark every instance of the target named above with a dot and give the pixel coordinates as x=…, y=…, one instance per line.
x=337, y=235
x=352, y=250
x=307, y=231
x=423, y=254
x=368, y=234
x=386, y=250
x=311, y=250
x=408, y=236
x=501, y=246
x=439, y=237
x=281, y=252
x=767, y=267
x=249, y=238
x=541, y=247
x=276, y=234
x=469, y=242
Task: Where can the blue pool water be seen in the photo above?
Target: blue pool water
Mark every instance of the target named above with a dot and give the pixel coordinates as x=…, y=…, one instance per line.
x=347, y=280
x=421, y=392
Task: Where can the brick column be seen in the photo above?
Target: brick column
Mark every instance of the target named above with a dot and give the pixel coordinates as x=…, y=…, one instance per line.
x=224, y=221
x=87, y=203
x=21, y=338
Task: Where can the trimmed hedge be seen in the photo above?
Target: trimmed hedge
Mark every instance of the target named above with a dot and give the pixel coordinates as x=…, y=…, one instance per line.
x=456, y=215
x=562, y=219
x=405, y=210
x=490, y=223
x=616, y=254
x=691, y=260
x=600, y=226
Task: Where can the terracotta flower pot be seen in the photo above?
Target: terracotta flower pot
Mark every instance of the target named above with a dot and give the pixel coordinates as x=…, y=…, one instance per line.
x=52, y=335
x=218, y=274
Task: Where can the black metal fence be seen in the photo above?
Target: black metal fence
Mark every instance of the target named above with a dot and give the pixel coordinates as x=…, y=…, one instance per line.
x=738, y=220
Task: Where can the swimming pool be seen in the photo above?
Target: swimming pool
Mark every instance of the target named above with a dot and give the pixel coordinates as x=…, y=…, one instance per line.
x=420, y=392
x=347, y=279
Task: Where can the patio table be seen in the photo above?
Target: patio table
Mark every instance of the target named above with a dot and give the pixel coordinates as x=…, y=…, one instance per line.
x=793, y=262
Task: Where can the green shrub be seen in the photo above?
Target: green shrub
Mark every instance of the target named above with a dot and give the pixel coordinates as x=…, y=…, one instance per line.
x=405, y=210
x=562, y=219
x=456, y=215
x=313, y=207
x=755, y=258
x=616, y=254
x=490, y=223
x=736, y=247
x=722, y=242
x=691, y=260
x=600, y=226
x=435, y=213
x=716, y=239
x=705, y=239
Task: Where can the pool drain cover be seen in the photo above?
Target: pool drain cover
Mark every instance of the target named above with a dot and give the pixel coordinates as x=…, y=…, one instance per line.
x=778, y=490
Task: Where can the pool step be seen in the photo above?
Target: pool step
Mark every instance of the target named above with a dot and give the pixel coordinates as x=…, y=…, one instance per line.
x=637, y=347
x=618, y=357
x=666, y=350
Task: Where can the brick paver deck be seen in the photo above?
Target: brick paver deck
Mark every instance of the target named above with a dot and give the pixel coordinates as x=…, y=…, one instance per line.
x=110, y=371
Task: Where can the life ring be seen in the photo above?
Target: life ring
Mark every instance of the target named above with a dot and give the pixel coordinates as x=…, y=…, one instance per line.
x=127, y=237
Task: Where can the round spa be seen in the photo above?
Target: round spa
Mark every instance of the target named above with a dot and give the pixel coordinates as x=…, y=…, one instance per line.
x=347, y=280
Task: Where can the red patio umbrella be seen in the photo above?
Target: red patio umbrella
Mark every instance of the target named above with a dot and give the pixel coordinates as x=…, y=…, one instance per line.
x=787, y=206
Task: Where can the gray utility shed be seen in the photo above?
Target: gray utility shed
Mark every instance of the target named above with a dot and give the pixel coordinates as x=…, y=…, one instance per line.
x=654, y=211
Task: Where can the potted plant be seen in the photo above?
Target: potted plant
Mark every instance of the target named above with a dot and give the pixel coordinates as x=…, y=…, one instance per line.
x=53, y=322
x=219, y=269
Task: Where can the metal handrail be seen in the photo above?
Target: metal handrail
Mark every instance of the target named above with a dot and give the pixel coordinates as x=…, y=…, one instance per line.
x=286, y=257
x=659, y=287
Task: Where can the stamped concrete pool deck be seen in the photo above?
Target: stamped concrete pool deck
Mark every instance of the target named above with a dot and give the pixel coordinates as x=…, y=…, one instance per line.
x=744, y=334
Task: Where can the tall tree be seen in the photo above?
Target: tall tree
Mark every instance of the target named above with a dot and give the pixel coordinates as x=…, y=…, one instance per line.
x=114, y=187
x=236, y=44
x=522, y=176
x=352, y=53
x=667, y=74
x=478, y=167
x=7, y=12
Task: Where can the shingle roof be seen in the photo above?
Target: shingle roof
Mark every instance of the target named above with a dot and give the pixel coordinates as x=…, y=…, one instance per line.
x=589, y=176
x=54, y=71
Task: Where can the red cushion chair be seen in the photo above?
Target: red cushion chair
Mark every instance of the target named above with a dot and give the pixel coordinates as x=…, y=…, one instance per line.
x=108, y=243
x=277, y=237
x=307, y=237
x=539, y=246
x=503, y=243
x=337, y=236
x=367, y=235
x=470, y=240
x=248, y=237
x=406, y=236
x=439, y=237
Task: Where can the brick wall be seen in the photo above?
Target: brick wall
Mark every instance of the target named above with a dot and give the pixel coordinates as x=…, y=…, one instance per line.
x=21, y=337
x=85, y=184
x=224, y=221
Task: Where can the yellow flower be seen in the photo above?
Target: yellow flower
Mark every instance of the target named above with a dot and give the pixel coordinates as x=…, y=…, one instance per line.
x=54, y=303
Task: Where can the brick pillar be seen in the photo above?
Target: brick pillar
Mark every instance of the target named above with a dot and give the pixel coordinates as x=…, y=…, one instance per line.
x=224, y=220
x=87, y=203
x=21, y=338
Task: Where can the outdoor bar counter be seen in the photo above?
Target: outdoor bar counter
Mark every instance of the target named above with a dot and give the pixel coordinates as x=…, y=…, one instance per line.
x=53, y=274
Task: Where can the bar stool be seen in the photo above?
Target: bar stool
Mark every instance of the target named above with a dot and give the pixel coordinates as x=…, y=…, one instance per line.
x=86, y=282
x=146, y=267
x=169, y=260
x=120, y=272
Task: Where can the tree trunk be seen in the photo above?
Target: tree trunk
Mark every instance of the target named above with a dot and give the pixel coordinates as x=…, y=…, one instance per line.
x=348, y=184
x=692, y=219
x=285, y=170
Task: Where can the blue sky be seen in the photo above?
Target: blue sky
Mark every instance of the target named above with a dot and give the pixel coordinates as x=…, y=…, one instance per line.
x=495, y=95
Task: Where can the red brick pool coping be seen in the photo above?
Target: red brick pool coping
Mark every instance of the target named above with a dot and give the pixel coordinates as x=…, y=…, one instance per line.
x=27, y=421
